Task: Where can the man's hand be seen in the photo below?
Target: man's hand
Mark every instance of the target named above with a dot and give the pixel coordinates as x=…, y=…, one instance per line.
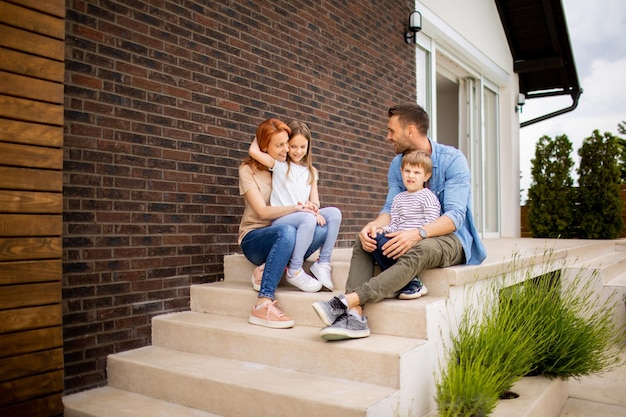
x=367, y=235
x=400, y=242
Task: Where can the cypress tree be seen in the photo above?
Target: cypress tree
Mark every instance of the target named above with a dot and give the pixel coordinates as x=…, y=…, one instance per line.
x=599, y=176
x=551, y=207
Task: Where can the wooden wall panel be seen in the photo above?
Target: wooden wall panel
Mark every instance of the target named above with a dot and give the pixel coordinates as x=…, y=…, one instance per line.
x=29, y=318
x=13, y=344
x=31, y=179
x=31, y=363
x=30, y=156
x=32, y=47
x=30, y=202
x=31, y=134
x=21, y=63
x=32, y=43
x=29, y=271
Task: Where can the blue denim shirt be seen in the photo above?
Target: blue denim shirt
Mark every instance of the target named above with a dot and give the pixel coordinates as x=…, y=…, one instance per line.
x=451, y=182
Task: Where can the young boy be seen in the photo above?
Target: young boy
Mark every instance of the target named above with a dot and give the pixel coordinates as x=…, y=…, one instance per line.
x=411, y=209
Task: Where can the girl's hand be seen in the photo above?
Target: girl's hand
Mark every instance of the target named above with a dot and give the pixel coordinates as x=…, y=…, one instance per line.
x=314, y=207
x=321, y=220
x=308, y=207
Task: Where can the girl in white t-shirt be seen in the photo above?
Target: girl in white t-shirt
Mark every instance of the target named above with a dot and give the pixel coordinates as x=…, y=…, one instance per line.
x=294, y=182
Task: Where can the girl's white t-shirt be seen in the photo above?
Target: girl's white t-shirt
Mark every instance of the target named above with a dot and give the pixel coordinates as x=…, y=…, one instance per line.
x=288, y=190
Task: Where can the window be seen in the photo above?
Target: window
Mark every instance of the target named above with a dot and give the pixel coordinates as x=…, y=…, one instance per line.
x=465, y=116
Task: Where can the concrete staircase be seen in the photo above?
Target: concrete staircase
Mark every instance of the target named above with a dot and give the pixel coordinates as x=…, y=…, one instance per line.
x=210, y=362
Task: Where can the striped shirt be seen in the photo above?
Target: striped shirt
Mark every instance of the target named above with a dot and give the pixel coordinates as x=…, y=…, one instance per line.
x=413, y=210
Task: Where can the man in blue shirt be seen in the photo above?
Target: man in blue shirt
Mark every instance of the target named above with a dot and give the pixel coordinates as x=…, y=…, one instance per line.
x=451, y=239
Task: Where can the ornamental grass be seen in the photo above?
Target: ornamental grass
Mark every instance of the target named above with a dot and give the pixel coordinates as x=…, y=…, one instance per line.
x=541, y=326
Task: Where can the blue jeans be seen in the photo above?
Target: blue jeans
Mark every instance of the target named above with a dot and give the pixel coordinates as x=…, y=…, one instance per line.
x=274, y=245
x=306, y=225
x=381, y=260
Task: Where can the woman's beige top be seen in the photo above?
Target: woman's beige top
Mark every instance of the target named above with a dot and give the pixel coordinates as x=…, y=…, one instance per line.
x=249, y=179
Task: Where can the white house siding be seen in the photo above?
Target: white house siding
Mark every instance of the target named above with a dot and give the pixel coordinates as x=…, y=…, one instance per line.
x=471, y=30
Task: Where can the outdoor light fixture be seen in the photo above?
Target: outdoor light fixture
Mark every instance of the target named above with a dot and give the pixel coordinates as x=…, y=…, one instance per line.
x=415, y=25
x=521, y=100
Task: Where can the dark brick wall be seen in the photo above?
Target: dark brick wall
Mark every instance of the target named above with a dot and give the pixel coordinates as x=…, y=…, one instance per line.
x=162, y=98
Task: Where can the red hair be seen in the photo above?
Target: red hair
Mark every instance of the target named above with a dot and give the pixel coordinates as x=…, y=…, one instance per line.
x=264, y=134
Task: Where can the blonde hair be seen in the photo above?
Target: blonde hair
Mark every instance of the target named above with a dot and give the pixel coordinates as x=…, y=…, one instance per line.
x=420, y=159
x=300, y=128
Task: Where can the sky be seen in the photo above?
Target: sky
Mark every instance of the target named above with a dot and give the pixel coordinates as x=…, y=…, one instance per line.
x=596, y=30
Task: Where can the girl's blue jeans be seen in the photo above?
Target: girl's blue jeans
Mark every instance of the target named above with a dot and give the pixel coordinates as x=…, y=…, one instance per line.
x=274, y=245
x=306, y=225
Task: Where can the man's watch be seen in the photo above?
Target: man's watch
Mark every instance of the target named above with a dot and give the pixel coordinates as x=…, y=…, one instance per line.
x=422, y=232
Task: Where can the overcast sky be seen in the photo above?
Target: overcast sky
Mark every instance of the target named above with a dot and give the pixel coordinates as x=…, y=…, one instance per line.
x=596, y=31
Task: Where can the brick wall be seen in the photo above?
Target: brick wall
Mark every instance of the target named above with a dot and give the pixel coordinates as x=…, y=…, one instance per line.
x=162, y=98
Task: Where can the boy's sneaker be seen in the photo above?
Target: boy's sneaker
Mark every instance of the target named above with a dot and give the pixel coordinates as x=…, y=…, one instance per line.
x=268, y=315
x=414, y=289
x=330, y=311
x=321, y=270
x=346, y=327
x=257, y=275
x=303, y=281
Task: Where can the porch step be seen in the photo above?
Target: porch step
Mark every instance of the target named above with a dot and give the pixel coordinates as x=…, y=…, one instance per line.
x=538, y=397
x=238, y=269
x=239, y=388
x=299, y=348
x=403, y=318
x=610, y=266
x=108, y=401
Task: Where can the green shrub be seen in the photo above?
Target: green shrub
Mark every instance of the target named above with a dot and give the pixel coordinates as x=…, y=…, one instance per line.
x=551, y=206
x=488, y=355
x=599, y=177
x=540, y=326
x=582, y=336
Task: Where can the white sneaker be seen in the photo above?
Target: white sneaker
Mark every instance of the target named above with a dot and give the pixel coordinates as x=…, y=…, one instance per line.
x=303, y=281
x=321, y=270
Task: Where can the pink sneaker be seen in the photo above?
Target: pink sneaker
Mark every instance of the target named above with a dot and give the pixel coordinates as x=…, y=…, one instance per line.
x=268, y=315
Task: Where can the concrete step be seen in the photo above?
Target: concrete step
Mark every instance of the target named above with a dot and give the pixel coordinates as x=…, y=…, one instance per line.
x=537, y=397
x=608, y=265
x=238, y=388
x=238, y=268
x=403, y=318
x=618, y=282
x=108, y=401
x=299, y=348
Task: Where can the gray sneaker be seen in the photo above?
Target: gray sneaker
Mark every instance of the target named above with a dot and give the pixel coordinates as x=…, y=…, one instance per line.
x=330, y=311
x=346, y=327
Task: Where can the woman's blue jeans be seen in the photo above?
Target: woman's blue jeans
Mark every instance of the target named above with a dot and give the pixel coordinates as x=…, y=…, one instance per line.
x=274, y=245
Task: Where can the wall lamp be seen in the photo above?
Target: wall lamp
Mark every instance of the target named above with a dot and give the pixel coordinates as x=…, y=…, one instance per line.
x=521, y=100
x=415, y=25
